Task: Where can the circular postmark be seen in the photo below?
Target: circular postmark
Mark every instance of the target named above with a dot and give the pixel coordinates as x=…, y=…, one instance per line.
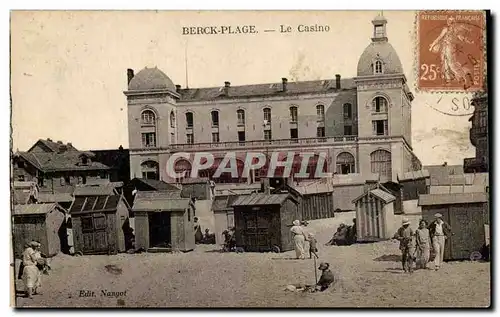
x=458, y=105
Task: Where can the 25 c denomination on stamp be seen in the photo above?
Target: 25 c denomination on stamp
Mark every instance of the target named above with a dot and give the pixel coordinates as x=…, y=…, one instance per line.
x=451, y=50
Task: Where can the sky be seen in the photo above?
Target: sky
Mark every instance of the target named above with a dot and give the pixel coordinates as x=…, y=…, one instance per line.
x=68, y=68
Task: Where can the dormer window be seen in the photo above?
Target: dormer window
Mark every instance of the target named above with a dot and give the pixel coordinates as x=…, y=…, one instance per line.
x=378, y=67
x=85, y=160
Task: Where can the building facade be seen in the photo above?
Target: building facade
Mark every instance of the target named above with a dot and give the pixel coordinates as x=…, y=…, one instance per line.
x=362, y=123
x=479, y=136
x=57, y=167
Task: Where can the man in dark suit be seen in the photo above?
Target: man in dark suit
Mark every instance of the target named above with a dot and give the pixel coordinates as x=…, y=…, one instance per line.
x=439, y=231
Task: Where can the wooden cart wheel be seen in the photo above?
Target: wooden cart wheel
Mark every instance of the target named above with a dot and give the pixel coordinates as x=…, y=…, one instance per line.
x=276, y=249
x=79, y=253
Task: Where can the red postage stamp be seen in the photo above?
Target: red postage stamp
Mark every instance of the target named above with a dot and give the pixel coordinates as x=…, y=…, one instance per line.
x=451, y=50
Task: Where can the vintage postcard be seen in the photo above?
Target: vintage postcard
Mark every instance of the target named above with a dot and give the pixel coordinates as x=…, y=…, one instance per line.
x=209, y=159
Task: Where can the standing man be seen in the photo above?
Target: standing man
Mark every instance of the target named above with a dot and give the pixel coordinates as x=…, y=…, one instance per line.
x=439, y=230
x=405, y=236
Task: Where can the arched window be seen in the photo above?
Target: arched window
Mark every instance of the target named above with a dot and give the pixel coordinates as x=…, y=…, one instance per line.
x=150, y=170
x=379, y=104
x=172, y=119
x=345, y=163
x=241, y=116
x=378, y=67
x=267, y=115
x=148, y=117
x=347, y=111
x=189, y=120
x=215, y=118
x=381, y=164
x=320, y=111
x=293, y=114
x=180, y=166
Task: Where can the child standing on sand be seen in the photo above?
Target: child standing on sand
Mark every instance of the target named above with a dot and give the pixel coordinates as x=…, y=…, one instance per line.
x=313, y=245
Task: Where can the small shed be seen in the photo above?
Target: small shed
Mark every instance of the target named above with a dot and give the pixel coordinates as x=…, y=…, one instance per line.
x=374, y=215
x=164, y=221
x=223, y=214
x=263, y=221
x=466, y=213
x=316, y=201
x=45, y=223
x=63, y=199
x=199, y=188
x=414, y=184
x=100, y=224
x=144, y=184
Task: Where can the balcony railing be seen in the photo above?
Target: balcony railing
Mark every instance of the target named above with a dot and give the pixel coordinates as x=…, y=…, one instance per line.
x=264, y=143
x=259, y=144
x=474, y=164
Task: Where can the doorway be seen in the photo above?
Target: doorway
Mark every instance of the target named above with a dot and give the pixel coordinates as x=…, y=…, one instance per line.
x=159, y=230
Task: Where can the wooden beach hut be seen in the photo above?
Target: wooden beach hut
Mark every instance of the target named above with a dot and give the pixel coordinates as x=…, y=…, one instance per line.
x=374, y=215
x=45, y=223
x=263, y=221
x=164, y=221
x=99, y=223
x=467, y=214
x=316, y=201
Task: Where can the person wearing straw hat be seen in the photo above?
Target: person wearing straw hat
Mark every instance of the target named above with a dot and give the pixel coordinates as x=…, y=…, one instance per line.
x=439, y=230
x=327, y=277
x=298, y=239
x=31, y=273
x=405, y=236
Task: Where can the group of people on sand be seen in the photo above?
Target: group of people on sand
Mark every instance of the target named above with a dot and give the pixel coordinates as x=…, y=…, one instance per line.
x=302, y=237
x=345, y=235
x=419, y=243
x=32, y=267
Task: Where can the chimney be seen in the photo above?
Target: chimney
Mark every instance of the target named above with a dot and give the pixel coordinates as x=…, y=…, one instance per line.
x=178, y=88
x=337, y=81
x=59, y=142
x=130, y=75
x=49, y=139
x=284, y=81
x=62, y=148
x=265, y=185
x=226, y=88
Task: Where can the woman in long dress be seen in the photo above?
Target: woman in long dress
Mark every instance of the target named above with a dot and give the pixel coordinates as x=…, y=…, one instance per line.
x=299, y=239
x=31, y=273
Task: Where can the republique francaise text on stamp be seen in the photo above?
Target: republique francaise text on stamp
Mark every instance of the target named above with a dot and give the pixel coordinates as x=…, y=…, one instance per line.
x=451, y=50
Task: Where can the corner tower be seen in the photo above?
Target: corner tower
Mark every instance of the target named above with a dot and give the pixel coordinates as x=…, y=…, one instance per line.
x=151, y=101
x=384, y=107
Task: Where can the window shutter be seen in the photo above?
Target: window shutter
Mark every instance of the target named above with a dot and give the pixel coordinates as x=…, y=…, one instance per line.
x=374, y=127
x=386, y=128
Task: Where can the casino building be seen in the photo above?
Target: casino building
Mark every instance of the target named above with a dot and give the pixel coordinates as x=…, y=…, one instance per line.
x=362, y=123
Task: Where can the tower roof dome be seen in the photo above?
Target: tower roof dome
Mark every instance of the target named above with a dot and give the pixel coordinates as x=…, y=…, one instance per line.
x=384, y=52
x=379, y=50
x=151, y=79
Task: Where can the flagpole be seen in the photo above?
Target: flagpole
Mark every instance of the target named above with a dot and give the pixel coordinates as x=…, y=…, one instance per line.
x=186, y=61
